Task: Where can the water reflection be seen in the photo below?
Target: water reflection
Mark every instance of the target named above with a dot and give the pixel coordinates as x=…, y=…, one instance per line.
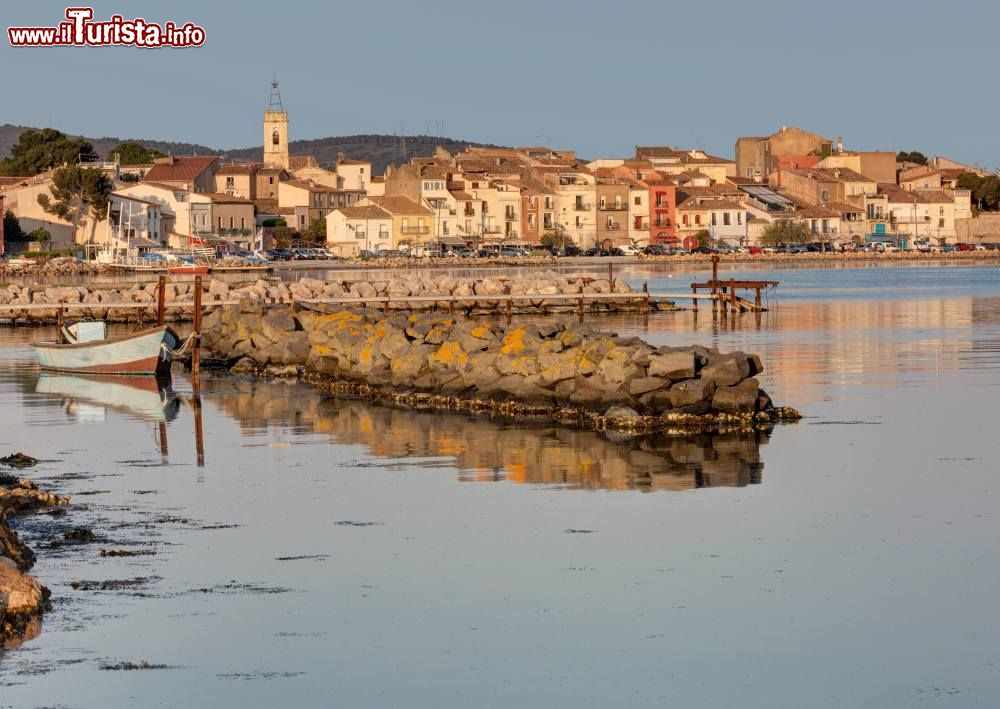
x=89, y=397
x=488, y=451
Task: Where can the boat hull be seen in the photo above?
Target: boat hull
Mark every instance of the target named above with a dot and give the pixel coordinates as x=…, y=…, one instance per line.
x=137, y=353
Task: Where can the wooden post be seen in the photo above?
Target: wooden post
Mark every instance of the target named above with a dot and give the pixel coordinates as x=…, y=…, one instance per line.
x=510, y=300
x=199, y=429
x=164, y=452
x=732, y=295
x=694, y=301
x=756, y=298
x=61, y=318
x=645, y=290
x=611, y=277
x=580, y=302
x=161, y=300
x=196, y=351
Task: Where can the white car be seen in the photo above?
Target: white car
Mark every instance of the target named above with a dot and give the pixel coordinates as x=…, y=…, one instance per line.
x=629, y=250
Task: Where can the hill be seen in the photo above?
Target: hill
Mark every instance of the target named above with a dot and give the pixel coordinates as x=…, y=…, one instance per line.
x=380, y=150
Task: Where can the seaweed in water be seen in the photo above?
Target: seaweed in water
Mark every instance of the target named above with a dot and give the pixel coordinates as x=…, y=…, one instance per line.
x=19, y=460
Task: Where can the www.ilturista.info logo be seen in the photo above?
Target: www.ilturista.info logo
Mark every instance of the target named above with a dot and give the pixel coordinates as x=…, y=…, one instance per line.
x=80, y=31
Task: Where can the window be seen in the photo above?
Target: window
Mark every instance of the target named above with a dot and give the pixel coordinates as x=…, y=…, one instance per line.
x=940, y=223
x=603, y=204
x=611, y=223
x=826, y=226
x=362, y=170
x=548, y=203
x=230, y=183
x=531, y=221
x=302, y=220
x=404, y=224
x=243, y=222
x=739, y=217
x=579, y=223
x=220, y=222
x=715, y=218
x=468, y=226
x=638, y=200
x=444, y=227
x=618, y=202
x=824, y=196
x=232, y=222
x=685, y=220
x=726, y=219
x=270, y=180
x=697, y=220
x=812, y=226
x=940, y=211
x=275, y=139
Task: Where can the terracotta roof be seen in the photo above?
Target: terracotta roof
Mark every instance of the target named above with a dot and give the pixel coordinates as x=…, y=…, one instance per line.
x=311, y=186
x=349, y=161
x=369, y=211
x=179, y=169
x=462, y=195
x=268, y=170
x=297, y=162
x=221, y=198
x=236, y=169
x=815, y=211
x=378, y=178
x=397, y=204
x=832, y=174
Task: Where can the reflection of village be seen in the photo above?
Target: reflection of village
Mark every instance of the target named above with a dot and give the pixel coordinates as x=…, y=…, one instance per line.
x=486, y=451
x=812, y=346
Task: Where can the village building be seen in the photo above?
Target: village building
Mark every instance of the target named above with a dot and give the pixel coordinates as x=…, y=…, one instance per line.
x=757, y=156
x=194, y=174
x=411, y=221
x=351, y=230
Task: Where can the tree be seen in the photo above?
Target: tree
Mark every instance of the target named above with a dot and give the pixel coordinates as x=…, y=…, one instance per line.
x=316, y=232
x=133, y=153
x=75, y=190
x=987, y=193
x=555, y=239
x=283, y=237
x=704, y=238
x=911, y=156
x=785, y=231
x=37, y=151
x=39, y=234
x=12, y=227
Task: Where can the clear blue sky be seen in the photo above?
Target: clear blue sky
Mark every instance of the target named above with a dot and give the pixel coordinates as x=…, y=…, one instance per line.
x=597, y=77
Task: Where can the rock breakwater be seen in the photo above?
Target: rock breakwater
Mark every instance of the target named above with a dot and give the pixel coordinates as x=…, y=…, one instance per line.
x=566, y=371
x=546, y=291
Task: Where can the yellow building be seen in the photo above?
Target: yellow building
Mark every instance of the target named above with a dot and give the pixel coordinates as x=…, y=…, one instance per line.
x=411, y=222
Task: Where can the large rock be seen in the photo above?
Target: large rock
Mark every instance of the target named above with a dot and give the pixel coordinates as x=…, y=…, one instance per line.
x=692, y=396
x=727, y=369
x=675, y=366
x=737, y=399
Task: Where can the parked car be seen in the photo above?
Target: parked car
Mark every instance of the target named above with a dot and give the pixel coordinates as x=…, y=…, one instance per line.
x=628, y=250
x=755, y=249
x=571, y=251
x=961, y=246
x=655, y=250
x=947, y=248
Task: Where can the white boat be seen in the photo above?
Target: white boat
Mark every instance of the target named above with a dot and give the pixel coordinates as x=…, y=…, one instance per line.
x=85, y=348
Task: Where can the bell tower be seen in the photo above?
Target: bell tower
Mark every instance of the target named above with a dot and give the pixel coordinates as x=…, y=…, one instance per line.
x=275, y=130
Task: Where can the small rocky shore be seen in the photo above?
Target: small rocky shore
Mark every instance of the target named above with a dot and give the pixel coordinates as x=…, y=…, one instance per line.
x=565, y=371
x=22, y=598
x=468, y=294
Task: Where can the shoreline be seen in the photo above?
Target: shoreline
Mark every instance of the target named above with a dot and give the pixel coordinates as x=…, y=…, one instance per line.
x=23, y=600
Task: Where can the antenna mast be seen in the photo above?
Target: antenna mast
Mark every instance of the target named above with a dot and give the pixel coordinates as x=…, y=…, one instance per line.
x=274, y=102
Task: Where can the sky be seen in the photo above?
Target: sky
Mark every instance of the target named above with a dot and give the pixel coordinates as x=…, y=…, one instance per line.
x=599, y=78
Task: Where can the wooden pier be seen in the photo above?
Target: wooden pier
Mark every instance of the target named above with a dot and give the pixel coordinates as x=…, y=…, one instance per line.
x=724, y=294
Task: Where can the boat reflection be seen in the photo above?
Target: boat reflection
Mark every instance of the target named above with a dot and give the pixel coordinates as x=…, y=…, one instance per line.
x=487, y=451
x=88, y=397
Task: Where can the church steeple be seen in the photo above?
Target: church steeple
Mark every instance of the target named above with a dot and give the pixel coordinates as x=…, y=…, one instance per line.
x=275, y=130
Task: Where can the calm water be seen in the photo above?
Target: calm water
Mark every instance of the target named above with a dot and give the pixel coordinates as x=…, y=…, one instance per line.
x=333, y=553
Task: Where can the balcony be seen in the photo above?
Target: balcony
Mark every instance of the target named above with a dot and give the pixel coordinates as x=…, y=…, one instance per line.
x=415, y=230
x=642, y=227
x=491, y=229
x=581, y=207
x=612, y=207
x=469, y=211
x=613, y=226
x=510, y=216
x=661, y=205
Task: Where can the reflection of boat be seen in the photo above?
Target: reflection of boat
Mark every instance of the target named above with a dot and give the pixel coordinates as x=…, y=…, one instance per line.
x=84, y=347
x=148, y=398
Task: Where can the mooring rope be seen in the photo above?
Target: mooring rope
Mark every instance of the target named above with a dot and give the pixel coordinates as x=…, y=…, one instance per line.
x=180, y=350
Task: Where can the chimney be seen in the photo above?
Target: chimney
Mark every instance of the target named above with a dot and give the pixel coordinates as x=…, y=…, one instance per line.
x=784, y=128
x=840, y=144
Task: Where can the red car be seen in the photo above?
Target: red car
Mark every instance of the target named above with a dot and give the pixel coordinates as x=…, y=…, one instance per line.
x=964, y=247
x=756, y=250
